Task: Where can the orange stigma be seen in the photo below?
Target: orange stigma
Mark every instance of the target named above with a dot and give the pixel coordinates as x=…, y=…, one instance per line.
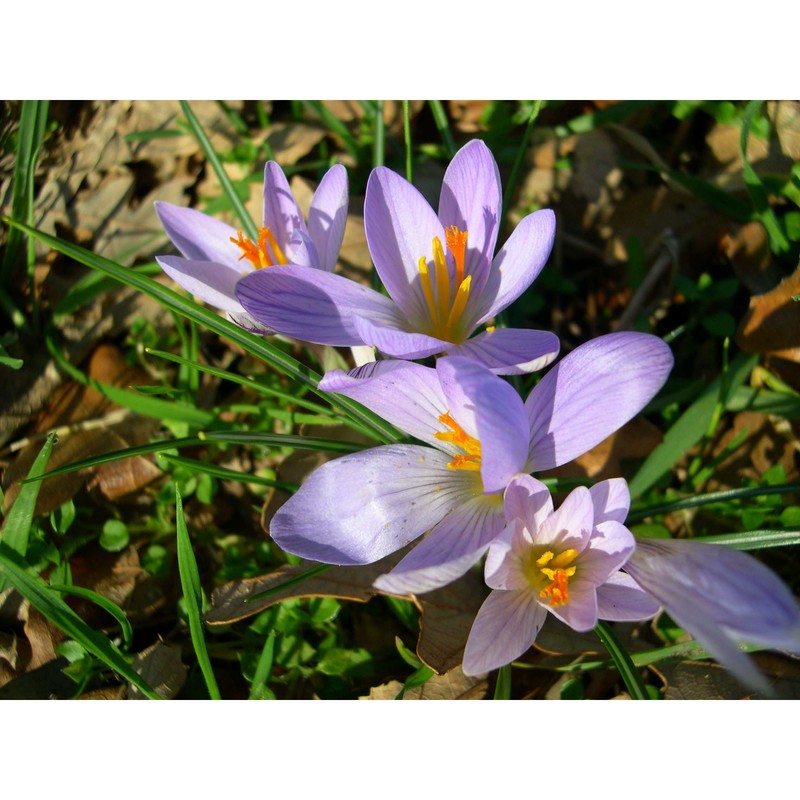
x=557, y=570
x=471, y=458
x=266, y=253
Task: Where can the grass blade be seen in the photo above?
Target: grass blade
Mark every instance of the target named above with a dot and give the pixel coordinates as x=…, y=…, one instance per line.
x=690, y=427
x=17, y=526
x=502, y=688
x=50, y=605
x=33, y=119
x=219, y=170
x=753, y=540
x=103, y=602
x=254, y=345
x=440, y=118
x=193, y=595
x=407, y=141
x=521, y=150
x=622, y=660
x=710, y=497
x=258, y=688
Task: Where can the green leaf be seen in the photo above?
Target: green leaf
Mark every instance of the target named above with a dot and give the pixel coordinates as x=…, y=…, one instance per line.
x=254, y=345
x=222, y=176
x=630, y=675
x=17, y=526
x=193, y=597
x=689, y=429
x=502, y=688
x=115, y=536
x=103, y=602
x=753, y=540
x=49, y=604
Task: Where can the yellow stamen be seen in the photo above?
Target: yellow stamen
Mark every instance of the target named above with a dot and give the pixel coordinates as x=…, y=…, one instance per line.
x=448, y=300
x=471, y=447
x=555, y=570
x=264, y=254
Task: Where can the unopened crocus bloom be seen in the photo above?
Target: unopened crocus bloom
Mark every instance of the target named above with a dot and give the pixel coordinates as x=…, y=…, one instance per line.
x=564, y=562
x=721, y=597
x=440, y=271
x=216, y=255
x=477, y=435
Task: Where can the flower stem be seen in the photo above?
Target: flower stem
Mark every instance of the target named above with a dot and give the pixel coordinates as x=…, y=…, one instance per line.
x=619, y=654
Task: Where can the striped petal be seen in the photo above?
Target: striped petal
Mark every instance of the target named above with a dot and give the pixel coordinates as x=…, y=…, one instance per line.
x=327, y=216
x=361, y=507
x=505, y=627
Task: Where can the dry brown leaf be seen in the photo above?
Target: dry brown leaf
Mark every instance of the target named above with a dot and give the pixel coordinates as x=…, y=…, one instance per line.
x=68, y=409
x=453, y=685
x=763, y=447
x=229, y=602
x=446, y=619
x=772, y=323
x=747, y=248
x=466, y=114
x=161, y=666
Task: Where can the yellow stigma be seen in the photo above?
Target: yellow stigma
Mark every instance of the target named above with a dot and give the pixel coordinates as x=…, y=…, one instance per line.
x=266, y=253
x=446, y=300
x=550, y=574
x=471, y=447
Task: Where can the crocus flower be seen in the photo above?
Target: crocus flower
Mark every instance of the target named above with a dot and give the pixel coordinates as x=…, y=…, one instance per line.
x=438, y=269
x=564, y=562
x=477, y=435
x=721, y=597
x=216, y=255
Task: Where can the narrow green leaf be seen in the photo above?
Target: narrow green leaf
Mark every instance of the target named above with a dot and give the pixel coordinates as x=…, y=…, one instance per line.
x=263, y=668
x=502, y=688
x=17, y=526
x=619, y=655
x=32, y=124
x=146, y=406
x=407, y=141
x=303, y=576
x=337, y=126
x=378, y=134
x=103, y=602
x=250, y=383
x=710, y=497
x=758, y=193
x=226, y=474
x=753, y=540
x=49, y=604
x=225, y=182
x=193, y=596
x=440, y=118
x=511, y=184
x=690, y=427
x=254, y=345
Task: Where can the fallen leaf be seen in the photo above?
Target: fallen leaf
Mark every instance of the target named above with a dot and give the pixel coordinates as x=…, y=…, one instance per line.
x=446, y=619
x=772, y=322
x=453, y=685
x=161, y=666
x=231, y=601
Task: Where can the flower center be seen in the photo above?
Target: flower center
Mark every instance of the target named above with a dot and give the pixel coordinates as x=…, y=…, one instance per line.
x=265, y=253
x=470, y=458
x=549, y=574
x=446, y=299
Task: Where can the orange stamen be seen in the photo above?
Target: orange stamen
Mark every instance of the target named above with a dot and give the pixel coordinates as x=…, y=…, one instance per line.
x=557, y=591
x=471, y=447
x=264, y=254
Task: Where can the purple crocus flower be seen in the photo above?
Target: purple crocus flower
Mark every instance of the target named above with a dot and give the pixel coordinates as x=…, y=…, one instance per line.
x=721, y=597
x=438, y=269
x=564, y=562
x=477, y=435
x=217, y=255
